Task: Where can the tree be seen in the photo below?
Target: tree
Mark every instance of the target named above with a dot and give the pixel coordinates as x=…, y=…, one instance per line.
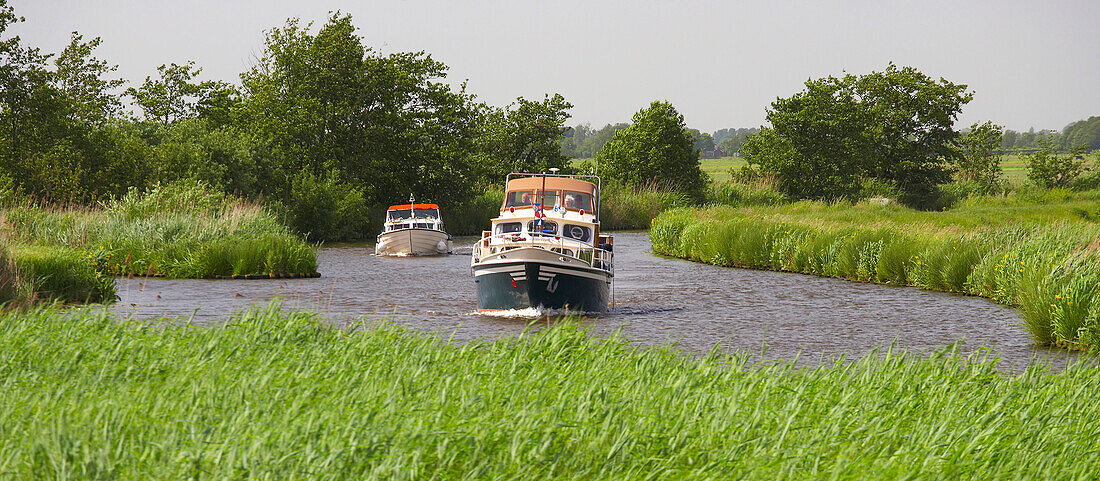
x=323, y=103
x=894, y=125
x=81, y=78
x=171, y=97
x=1008, y=139
x=980, y=160
x=732, y=142
x=524, y=137
x=1082, y=132
x=702, y=141
x=596, y=140
x=656, y=147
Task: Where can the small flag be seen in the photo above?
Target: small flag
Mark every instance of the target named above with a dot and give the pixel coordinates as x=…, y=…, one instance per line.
x=538, y=215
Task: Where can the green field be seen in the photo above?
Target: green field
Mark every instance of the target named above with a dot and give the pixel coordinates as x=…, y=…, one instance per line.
x=277, y=395
x=1014, y=167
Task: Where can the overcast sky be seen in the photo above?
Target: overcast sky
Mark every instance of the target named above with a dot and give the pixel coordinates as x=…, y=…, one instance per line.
x=1030, y=64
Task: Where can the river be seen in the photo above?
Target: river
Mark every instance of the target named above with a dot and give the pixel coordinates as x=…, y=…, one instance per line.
x=770, y=315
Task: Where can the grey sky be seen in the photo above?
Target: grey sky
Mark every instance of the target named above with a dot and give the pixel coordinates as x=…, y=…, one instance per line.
x=1030, y=64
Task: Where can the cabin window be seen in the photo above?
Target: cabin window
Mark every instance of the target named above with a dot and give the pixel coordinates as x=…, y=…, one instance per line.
x=398, y=214
x=519, y=198
x=508, y=227
x=564, y=252
x=578, y=201
x=426, y=213
x=548, y=227
x=577, y=232
x=421, y=225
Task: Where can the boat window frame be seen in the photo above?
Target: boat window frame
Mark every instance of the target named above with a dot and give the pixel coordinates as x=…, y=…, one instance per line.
x=514, y=199
x=586, y=238
x=498, y=228
x=531, y=224
x=583, y=195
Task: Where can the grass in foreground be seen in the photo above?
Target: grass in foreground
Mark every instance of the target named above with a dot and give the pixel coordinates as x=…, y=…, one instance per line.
x=277, y=395
x=1043, y=258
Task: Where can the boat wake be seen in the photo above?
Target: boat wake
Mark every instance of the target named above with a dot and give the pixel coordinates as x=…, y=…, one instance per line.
x=531, y=313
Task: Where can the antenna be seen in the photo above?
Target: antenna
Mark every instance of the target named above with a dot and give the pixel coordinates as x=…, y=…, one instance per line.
x=553, y=170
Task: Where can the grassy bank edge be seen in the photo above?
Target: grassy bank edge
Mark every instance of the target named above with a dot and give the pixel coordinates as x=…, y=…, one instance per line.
x=1050, y=272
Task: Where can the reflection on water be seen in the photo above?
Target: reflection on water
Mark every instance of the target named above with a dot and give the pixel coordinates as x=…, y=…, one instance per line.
x=656, y=300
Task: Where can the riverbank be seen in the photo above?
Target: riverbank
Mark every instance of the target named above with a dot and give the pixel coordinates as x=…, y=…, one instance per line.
x=276, y=394
x=178, y=230
x=1039, y=255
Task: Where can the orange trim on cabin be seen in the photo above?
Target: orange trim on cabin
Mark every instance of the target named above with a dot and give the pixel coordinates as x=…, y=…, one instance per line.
x=412, y=206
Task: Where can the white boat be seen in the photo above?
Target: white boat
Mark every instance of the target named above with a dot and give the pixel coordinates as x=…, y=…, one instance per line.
x=545, y=248
x=413, y=230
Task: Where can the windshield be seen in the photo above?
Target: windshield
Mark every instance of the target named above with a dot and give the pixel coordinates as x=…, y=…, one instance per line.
x=426, y=213
x=398, y=214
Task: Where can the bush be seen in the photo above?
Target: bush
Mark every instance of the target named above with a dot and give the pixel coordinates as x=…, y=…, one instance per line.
x=1049, y=169
x=473, y=216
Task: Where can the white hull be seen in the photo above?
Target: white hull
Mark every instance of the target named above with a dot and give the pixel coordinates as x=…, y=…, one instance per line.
x=413, y=242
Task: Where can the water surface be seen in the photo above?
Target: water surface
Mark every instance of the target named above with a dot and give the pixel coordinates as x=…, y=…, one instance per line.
x=656, y=300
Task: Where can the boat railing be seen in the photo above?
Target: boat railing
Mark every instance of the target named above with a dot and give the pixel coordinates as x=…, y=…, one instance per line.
x=593, y=256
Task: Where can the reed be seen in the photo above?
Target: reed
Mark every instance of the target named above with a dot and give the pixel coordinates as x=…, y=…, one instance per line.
x=12, y=287
x=61, y=274
x=633, y=207
x=1050, y=270
x=177, y=230
x=279, y=395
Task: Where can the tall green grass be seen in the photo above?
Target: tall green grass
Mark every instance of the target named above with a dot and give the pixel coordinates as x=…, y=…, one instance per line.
x=1051, y=271
x=634, y=207
x=278, y=395
x=61, y=274
x=177, y=230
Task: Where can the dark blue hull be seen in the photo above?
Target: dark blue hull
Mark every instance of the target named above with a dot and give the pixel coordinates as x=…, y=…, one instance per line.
x=520, y=285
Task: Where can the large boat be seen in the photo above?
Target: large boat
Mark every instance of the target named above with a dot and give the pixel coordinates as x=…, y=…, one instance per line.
x=413, y=230
x=545, y=249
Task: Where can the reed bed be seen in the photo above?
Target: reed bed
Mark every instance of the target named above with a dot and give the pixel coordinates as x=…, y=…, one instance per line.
x=177, y=230
x=633, y=207
x=1051, y=271
x=279, y=395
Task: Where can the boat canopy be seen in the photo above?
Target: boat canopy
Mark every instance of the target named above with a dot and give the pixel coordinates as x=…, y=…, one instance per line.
x=576, y=194
x=412, y=206
x=401, y=212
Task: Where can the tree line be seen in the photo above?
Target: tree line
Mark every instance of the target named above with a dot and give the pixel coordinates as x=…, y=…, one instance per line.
x=321, y=127
x=1082, y=133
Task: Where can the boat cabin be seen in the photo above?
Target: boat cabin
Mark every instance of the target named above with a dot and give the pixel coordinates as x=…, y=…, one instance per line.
x=413, y=216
